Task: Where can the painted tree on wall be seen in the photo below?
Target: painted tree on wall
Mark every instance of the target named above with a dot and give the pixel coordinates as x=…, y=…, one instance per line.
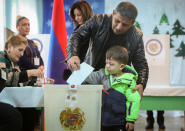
x=164, y=19
x=181, y=50
x=177, y=29
x=171, y=40
x=156, y=30
x=137, y=25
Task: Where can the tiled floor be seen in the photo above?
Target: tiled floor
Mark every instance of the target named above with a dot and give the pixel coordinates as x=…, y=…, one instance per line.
x=171, y=123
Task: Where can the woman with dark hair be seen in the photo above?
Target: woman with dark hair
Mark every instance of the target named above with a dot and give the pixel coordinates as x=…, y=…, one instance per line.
x=80, y=12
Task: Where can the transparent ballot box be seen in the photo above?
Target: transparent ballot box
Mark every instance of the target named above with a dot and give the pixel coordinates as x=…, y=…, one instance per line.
x=74, y=108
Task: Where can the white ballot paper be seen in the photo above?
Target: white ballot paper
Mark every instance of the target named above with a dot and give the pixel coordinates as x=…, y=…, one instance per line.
x=77, y=77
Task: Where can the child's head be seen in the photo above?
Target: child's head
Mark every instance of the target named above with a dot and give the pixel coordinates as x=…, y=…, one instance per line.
x=116, y=59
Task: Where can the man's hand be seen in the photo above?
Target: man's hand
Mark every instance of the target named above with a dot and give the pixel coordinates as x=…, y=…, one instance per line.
x=74, y=63
x=139, y=88
x=130, y=126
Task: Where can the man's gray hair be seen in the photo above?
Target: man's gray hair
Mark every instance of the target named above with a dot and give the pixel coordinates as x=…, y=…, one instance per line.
x=127, y=10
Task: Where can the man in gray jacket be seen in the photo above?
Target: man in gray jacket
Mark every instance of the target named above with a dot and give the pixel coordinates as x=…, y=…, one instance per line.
x=105, y=31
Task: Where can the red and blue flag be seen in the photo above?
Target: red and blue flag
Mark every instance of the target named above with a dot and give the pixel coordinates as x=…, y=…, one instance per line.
x=58, y=43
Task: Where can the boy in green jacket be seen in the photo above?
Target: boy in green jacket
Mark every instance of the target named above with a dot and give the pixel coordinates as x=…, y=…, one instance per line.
x=120, y=106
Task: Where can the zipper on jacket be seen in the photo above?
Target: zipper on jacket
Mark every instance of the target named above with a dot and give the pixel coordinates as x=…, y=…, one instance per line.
x=129, y=109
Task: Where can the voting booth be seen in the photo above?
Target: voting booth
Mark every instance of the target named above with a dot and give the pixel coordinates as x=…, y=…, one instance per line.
x=72, y=107
x=157, y=55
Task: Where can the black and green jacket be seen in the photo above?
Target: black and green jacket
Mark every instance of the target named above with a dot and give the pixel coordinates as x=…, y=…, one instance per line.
x=120, y=102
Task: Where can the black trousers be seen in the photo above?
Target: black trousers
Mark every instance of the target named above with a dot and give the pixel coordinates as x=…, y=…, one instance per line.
x=113, y=128
x=10, y=118
x=30, y=118
x=160, y=117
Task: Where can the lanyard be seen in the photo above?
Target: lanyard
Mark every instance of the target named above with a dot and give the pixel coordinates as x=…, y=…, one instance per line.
x=32, y=50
